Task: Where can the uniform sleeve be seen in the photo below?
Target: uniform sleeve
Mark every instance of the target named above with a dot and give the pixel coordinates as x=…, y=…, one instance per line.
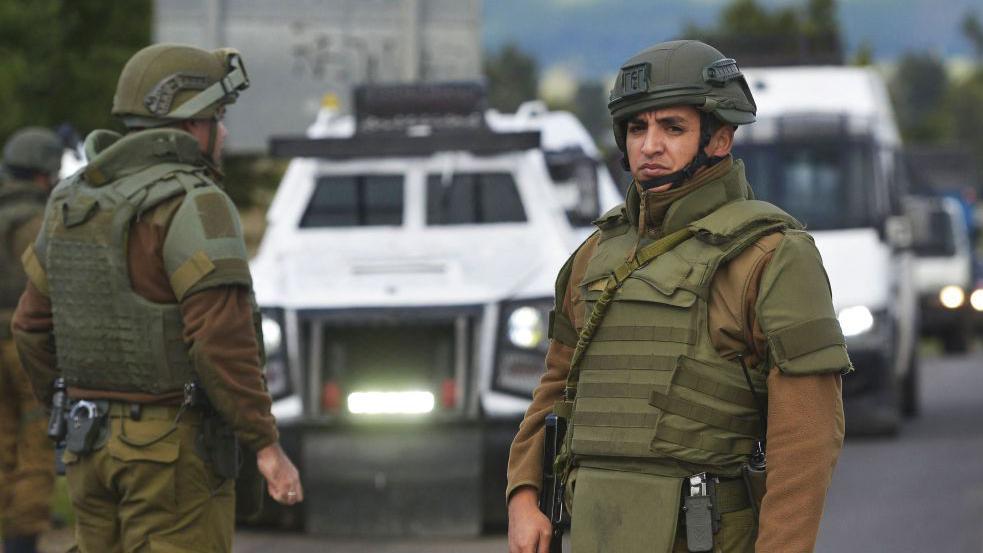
x=525, y=466
x=795, y=311
x=32, y=327
x=218, y=323
x=805, y=436
x=793, y=326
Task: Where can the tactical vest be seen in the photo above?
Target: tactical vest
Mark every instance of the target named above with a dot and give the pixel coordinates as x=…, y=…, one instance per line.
x=652, y=393
x=108, y=337
x=19, y=203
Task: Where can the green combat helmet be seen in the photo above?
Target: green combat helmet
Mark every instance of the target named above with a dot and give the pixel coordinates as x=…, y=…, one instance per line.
x=678, y=73
x=33, y=150
x=167, y=83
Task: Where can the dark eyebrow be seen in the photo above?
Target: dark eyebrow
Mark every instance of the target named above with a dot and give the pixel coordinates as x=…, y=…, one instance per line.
x=636, y=121
x=671, y=120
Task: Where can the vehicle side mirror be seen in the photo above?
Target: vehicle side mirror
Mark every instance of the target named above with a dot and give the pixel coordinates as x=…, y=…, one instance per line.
x=898, y=232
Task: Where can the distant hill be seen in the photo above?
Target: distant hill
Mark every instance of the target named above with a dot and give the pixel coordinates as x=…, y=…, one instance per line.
x=592, y=37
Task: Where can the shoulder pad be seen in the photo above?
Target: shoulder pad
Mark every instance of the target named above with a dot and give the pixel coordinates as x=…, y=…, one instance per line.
x=740, y=217
x=795, y=311
x=204, y=247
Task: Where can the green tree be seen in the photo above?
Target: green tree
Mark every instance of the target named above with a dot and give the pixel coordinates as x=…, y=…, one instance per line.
x=919, y=90
x=756, y=35
x=59, y=59
x=973, y=31
x=512, y=78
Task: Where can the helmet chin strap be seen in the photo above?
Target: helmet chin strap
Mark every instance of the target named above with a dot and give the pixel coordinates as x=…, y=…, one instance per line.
x=700, y=160
x=211, y=159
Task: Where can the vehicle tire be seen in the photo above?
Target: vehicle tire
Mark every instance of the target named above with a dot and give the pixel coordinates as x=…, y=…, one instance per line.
x=956, y=340
x=910, y=386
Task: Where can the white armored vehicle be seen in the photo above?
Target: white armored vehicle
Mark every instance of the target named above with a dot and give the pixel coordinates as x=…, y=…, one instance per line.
x=826, y=149
x=406, y=278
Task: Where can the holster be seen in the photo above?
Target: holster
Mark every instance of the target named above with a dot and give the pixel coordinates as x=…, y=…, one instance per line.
x=755, y=481
x=218, y=446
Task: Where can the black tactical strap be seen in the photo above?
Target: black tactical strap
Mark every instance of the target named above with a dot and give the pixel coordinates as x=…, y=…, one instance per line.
x=801, y=339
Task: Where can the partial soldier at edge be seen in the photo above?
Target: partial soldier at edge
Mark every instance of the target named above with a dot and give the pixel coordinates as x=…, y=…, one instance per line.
x=691, y=330
x=140, y=278
x=31, y=162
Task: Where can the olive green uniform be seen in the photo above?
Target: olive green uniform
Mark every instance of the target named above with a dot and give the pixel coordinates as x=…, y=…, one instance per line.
x=651, y=384
x=146, y=483
x=655, y=401
x=139, y=276
x=26, y=453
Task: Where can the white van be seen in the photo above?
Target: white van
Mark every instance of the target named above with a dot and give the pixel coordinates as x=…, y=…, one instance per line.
x=944, y=271
x=826, y=149
x=406, y=278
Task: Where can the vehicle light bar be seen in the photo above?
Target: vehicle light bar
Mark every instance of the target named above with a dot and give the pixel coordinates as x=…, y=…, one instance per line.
x=391, y=403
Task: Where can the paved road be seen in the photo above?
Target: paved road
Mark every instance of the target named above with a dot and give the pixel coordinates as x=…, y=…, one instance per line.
x=921, y=492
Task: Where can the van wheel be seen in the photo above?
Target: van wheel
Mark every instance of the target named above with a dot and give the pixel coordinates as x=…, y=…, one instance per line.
x=910, y=404
x=956, y=339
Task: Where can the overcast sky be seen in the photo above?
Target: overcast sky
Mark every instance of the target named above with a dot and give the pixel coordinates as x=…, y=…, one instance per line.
x=592, y=37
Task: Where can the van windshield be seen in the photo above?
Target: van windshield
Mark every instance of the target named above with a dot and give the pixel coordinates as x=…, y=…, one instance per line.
x=826, y=185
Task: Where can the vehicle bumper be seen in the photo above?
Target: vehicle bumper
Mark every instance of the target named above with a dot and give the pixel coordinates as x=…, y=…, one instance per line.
x=394, y=479
x=870, y=393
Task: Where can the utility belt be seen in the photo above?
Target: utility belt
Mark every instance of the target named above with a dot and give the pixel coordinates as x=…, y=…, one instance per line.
x=83, y=426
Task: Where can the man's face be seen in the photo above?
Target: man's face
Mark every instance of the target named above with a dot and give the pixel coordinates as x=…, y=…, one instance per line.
x=661, y=142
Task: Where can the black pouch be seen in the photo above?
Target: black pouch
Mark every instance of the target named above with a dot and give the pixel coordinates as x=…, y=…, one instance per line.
x=217, y=444
x=86, y=424
x=754, y=479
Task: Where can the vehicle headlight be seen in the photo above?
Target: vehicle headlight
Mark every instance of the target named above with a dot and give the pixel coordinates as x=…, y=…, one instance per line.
x=855, y=320
x=952, y=296
x=277, y=376
x=272, y=335
x=523, y=338
x=976, y=299
x=526, y=328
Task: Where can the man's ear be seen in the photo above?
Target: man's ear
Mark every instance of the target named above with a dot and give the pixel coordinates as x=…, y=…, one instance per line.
x=721, y=142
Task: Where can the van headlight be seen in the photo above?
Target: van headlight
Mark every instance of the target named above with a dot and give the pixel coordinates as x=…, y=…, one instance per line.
x=855, y=320
x=952, y=297
x=523, y=338
x=976, y=299
x=276, y=370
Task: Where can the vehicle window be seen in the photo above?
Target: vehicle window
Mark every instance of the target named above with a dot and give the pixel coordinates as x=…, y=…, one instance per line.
x=826, y=186
x=470, y=198
x=939, y=239
x=575, y=177
x=357, y=200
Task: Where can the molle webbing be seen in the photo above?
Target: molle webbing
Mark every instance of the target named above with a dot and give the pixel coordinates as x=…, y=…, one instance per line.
x=615, y=280
x=646, y=382
x=109, y=337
